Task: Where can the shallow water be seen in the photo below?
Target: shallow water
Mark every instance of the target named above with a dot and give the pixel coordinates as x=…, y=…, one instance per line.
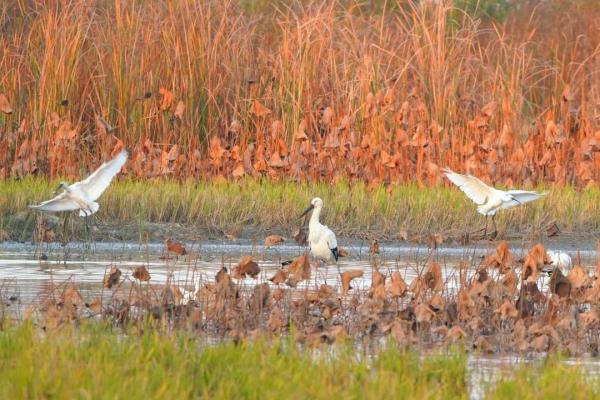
x=27, y=271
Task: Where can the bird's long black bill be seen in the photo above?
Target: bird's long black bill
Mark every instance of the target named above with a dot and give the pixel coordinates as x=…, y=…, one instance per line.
x=308, y=209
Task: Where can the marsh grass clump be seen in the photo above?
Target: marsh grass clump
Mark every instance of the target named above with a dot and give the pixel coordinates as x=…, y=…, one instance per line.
x=406, y=211
x=98, y=361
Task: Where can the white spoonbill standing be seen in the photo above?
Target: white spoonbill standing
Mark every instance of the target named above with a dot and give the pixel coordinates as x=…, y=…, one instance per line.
x=321, y=239
x=488, y=199
x=82, y=195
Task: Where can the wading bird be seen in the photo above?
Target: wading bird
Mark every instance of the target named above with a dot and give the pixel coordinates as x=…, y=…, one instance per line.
x=82, y=195
x=321, y=239
x=558, y=259
x=488, y=199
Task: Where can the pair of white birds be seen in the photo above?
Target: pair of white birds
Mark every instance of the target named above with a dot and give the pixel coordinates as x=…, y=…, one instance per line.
x=82, y=196
x=323, y=243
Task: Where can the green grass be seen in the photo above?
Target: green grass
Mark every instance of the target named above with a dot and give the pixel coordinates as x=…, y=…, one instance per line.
x=350, y=208
x=95, y=363
x=547, y=379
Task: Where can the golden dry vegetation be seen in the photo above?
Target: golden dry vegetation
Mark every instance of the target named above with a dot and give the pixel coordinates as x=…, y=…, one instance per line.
x=311, y=91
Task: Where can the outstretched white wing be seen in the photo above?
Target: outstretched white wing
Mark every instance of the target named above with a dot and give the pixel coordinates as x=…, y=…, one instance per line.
x=520, y=197
x=59, y=203
x=95, y=184
x=475, y=189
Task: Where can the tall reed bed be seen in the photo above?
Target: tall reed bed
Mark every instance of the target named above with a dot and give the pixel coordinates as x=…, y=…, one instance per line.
x=387, y=92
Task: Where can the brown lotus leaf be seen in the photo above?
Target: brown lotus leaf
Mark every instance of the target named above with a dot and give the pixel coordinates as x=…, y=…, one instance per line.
x=466, y=305
x=300, y=268
x=279, y=277
x=95, y=305
x=273, y=240
x=222, y=275
x=338, y=332
x=482, y=345
x=259, y=110
x=175, y=247
x=300, y=237
x=179, y=109
x=559, y=284
x=552, y=230
x=403, y=235
x=173, y=153
x=5, y=106
x=437, y=303
x=397, y=287
x=509, y=282
x=480, y=286
x=539, y=256
x=507, y=311
x=111, y=278
x=532, y=291
x=529, y=271
x=417, y=287
x=578, y=277
x=275, y=161
x=433, y=277
x=589, y=319
x=173, y=295
x=300, y=134
x=377, y=279
x=397, y=332
x=292, y=281
x=71, y=295
x=141, y=274
x=166, y=100
x=238, y=171
x=342, y=252
x=455, y=334
x=215, y=151
x=424, y=313
x=540, y=343
x=278, y=294
x=347, y=277
x=246, y=267
x=503, y=259
x=592, y=294
x=378, y=292
x=374, y=247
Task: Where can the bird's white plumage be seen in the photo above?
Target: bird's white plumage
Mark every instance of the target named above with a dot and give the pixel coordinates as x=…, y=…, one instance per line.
x=474, y=188
x=321, y=239
x=95, y=184
x=82, y=195
x=489, y=199
x=559, y=259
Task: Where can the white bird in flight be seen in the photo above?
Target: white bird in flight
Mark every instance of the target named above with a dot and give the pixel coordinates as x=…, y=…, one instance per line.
x=82, y=195
x=488, y=199
x=321, y=239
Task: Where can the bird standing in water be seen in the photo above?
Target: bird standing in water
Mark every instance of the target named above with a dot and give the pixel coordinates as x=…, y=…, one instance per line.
x=321, y=240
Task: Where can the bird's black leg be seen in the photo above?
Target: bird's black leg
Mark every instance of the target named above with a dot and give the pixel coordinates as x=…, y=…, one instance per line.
x=485, y=229
x=64, y=229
